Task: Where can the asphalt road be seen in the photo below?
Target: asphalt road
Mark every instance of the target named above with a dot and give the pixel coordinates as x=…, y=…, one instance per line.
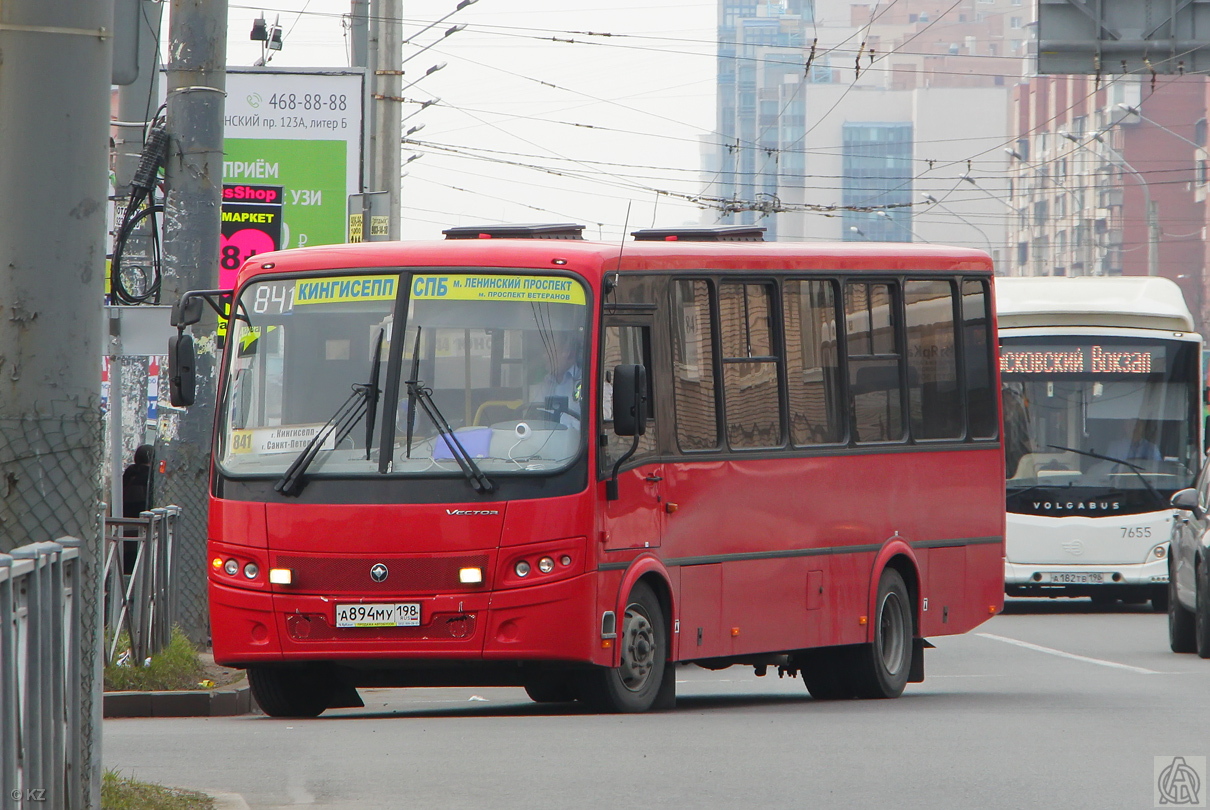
x=1052, y=704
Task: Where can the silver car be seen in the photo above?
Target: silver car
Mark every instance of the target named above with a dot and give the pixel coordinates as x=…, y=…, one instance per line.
x=1189, y=569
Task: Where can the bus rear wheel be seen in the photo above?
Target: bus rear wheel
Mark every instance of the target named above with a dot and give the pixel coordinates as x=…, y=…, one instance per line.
x=297, y=691
x=642, y=680
x=881, y=668
x=827, y=672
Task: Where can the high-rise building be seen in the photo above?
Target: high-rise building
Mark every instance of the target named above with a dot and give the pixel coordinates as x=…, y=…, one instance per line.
x=858, y=121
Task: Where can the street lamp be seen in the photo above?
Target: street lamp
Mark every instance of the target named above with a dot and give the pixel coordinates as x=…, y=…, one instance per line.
x=427, y=73
x=1153, y=229
x=453, y=29
x=1199, y=151
x=931, y=200
x=437, y=22
x=1077, y=210
x=891, y=219
x=859, y=232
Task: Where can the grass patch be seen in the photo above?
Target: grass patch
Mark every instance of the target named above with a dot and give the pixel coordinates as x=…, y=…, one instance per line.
x=177, y=666
x=121, y=793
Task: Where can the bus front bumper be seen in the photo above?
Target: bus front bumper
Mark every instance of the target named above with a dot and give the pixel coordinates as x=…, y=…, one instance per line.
x=533, y=623
x=1025, y=579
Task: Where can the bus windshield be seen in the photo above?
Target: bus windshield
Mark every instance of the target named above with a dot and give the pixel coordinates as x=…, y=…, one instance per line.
x=490, y=369
x=1098, y=417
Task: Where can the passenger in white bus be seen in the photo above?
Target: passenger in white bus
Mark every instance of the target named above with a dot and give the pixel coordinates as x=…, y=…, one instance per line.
x=1133, y=443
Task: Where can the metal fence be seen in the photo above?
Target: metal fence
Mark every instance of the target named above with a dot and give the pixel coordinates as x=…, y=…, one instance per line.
x=40, y=697
x=140, y=600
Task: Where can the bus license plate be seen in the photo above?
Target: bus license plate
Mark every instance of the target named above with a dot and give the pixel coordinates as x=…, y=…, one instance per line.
x=1082, y=578
x=398, y=614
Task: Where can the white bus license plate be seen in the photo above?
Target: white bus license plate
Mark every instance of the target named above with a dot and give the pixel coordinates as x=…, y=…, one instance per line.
x=1082, y=578
x=381, y=614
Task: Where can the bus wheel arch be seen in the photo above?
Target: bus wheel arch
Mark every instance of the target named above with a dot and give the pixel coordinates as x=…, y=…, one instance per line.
x=882, y=667
x=642, y=676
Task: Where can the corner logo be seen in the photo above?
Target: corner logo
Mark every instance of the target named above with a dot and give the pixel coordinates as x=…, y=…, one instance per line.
x=1179, y=781
x=379, y=572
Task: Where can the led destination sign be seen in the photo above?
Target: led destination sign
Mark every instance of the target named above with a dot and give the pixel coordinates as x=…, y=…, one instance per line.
x=1115, y=360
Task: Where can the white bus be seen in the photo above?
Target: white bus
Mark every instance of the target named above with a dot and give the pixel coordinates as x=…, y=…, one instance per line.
x=1101, y=380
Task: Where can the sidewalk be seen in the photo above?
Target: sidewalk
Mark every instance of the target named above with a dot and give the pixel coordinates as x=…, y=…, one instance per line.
x=223, y=701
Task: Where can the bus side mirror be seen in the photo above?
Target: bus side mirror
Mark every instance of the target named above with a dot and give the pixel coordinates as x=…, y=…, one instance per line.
x=629, y=400
x=1187, y=500
x=182, y=373
x=187, y=310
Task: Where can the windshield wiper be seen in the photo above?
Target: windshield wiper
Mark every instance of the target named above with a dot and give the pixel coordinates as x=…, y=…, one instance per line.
x=1138, y=471
x=363, y=399
x=418, y=393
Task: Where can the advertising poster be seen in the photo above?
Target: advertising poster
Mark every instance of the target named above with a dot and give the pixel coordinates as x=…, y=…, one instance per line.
x=300, y=131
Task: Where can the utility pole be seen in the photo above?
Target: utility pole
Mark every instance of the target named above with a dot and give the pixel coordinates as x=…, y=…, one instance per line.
x=54, y=127
x=192, y=219
x=386, y=105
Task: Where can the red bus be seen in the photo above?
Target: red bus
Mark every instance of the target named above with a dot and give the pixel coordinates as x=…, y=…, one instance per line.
x=516, y=457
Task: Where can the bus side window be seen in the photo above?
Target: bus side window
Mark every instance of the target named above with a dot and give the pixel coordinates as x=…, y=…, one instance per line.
x=875, y=395
x=624, y=345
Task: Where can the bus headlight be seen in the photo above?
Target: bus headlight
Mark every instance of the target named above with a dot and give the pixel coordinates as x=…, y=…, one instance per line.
x=546, y=565
x=231, y=567
x=1160, y=551
x=251, y=570
x=521, y=568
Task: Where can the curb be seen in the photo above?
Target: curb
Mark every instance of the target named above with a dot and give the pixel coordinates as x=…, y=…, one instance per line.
x=189, y=703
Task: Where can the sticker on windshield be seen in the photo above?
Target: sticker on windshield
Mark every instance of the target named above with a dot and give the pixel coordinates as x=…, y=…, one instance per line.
x=344, y=288
x=542, y=289
x=292, y=439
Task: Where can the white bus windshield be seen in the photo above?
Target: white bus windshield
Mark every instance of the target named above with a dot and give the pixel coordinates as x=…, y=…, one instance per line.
x=496, y=359
x=1107, y=416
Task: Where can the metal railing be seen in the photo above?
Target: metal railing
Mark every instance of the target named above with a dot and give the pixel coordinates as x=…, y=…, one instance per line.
x=40, y=699
x=139, y=597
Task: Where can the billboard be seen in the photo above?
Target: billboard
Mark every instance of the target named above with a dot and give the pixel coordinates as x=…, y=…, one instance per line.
x=300, y=131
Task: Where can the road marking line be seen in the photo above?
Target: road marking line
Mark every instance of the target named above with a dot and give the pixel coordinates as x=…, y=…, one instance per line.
x=1051, y=651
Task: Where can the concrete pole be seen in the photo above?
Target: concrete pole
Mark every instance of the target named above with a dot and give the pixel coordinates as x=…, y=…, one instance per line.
x=54, y=127
x=359, y=32
x=387, y=106
x=194, y=179
x=137, y=102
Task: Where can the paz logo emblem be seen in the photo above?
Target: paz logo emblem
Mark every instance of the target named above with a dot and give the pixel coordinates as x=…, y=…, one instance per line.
x=379, y=572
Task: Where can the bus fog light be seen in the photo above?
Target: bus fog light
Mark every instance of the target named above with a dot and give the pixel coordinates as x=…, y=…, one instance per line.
x=470, y=576
x=1160, y=551
x=231, y=567
x=565, y=560
x=521, y=568
x=546, y=565
x=281, y=576
x=251, y=570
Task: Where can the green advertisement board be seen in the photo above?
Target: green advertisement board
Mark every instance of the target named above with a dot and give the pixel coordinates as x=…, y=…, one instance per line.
x=312, y=175
x=300, y=129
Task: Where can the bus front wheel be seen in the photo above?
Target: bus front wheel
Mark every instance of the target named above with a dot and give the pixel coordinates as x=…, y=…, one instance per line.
x=291, y=691
x=641, y=681
x=881, y=668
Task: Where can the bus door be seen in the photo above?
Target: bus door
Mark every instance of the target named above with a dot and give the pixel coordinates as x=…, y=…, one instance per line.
x=636, y=518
